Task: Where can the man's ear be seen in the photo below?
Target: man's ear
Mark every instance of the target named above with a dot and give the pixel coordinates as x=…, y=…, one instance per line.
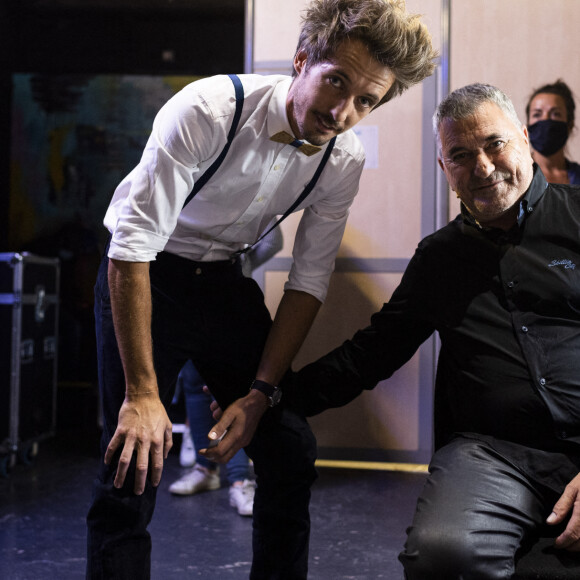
x=440, y=161
x=300, y=59
x=526, y=135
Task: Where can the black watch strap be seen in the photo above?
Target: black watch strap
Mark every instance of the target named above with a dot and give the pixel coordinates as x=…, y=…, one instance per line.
x=273, y=394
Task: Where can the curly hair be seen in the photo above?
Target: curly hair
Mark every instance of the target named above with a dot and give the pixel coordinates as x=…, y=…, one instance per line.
x=563, y=90
x=396, y=39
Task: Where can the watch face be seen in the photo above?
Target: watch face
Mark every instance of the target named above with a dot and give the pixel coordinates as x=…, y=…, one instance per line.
x=276, y=396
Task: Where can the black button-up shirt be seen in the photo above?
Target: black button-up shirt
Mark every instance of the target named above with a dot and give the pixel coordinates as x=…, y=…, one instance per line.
x=507, y=309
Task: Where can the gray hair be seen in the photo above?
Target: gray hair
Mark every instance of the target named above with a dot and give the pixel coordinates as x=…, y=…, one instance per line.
x=464, y=102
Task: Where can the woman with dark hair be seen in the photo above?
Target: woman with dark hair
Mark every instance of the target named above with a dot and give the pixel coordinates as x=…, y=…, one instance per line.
x=550, y=115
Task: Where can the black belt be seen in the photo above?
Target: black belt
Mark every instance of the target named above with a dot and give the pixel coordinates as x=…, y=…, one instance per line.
x=185, y=267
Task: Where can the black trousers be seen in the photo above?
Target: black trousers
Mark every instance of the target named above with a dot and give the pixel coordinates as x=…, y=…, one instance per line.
x=213, y=315
x=476, y=514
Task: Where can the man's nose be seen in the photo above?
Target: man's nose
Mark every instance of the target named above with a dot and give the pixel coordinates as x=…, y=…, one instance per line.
x=484, y=165
x=342, y=111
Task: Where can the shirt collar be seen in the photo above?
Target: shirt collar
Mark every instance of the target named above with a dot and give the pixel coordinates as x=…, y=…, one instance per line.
x=537, y=187
x=277, y=117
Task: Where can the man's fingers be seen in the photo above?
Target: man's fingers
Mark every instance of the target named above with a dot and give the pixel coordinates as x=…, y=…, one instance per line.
x=230, y=441
x=568, y=504
x=570, y=538
x=156, y=464
x=225, y=424
x=167, y=442
x=214, y=407
x=223, y=452
x=216, y=410
x=555, y=518
x=564, y=505
x=141, y=468
x=124, y=462
x=220, y=452
x=124, y=459
x=114, y=444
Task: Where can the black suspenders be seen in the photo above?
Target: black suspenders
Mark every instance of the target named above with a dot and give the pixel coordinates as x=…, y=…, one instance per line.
x=309, y=187
x=215, y=165
x=239, y=89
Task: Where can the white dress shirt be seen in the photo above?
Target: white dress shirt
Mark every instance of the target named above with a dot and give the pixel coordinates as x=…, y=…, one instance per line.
x=258, y=180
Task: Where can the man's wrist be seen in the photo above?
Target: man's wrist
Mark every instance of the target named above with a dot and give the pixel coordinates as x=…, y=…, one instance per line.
x=272, y=393
x=136, y=394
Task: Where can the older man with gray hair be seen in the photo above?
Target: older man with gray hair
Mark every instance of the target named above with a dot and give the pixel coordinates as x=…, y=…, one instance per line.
x=501, y=286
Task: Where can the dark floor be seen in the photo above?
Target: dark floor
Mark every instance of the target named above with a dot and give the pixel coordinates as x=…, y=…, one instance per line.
x=358, y=522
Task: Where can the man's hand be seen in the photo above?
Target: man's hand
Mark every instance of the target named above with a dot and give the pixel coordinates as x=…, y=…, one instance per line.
x=214, y=407
x=143, y=427
x=240, y=420
x=570, y=500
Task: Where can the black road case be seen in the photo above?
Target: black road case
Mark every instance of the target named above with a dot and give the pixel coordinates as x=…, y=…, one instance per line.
x=29, y=291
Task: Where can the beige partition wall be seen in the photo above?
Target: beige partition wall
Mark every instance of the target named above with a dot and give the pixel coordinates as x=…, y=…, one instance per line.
x=517, y=45
x=393, y=211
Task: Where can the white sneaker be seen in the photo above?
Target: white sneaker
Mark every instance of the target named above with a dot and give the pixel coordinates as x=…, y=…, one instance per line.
x=187, y=451
x=196, y=480
x=242, y=497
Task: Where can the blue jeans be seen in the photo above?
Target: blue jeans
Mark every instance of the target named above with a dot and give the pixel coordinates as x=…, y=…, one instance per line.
x=213, y=315
x=201, y=421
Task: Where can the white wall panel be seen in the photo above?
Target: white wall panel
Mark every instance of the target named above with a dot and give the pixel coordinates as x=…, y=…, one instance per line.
x=517, y=45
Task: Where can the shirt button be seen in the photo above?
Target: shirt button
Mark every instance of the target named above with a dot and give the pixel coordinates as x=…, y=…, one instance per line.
x=276, y=167
x=510, y=284
x=563, y=434
x=530, y=209
x=543, y=382
x=198, y=271
x=524, y=329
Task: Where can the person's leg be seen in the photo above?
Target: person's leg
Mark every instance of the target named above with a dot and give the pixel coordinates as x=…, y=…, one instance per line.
x=283, y=449
x=198, y=412
x=204, y=475
x=186, y=449
x=284, y=452
x=475, y=512
x=238, y=467
x=119, y=544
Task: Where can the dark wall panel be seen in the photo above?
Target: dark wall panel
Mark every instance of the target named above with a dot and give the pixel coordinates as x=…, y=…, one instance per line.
x=105, y=41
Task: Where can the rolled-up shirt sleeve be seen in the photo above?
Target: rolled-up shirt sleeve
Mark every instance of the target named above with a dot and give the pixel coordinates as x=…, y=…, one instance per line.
x=146, y=205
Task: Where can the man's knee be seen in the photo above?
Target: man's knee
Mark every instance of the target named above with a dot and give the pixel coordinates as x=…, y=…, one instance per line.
x=287, y=442
x=448, y=554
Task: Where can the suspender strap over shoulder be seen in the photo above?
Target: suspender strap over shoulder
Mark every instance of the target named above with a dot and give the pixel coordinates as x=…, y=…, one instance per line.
x=239, y=89
x=309, y=187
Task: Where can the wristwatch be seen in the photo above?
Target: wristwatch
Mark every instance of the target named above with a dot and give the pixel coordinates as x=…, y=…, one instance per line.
x=273, y=394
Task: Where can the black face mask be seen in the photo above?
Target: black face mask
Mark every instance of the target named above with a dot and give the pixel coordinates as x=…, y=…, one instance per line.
x=548, y=136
